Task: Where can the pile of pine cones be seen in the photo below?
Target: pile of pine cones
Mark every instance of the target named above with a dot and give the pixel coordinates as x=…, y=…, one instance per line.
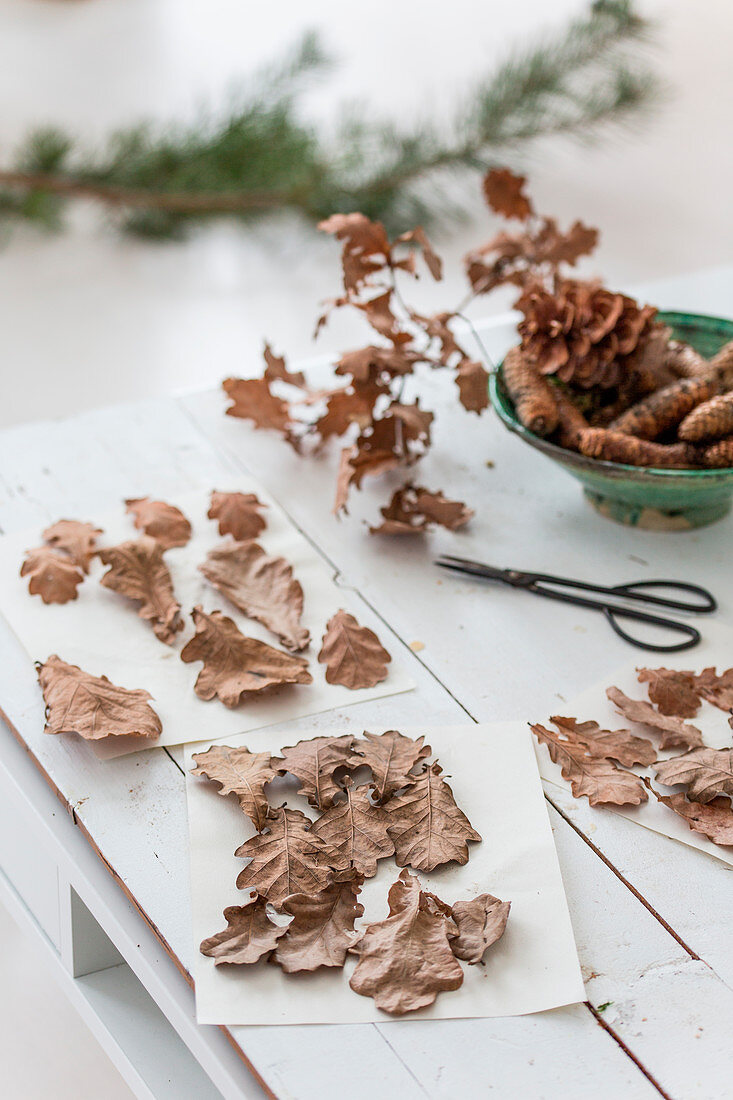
x=638, y=398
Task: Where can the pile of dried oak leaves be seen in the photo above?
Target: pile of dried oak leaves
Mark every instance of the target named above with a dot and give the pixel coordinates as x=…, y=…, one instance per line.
x=595, y=371
x=235, y=666
x=596, y=762
x=313, y=871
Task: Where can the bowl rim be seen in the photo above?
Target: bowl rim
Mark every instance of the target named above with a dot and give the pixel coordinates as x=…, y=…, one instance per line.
x=504, y=408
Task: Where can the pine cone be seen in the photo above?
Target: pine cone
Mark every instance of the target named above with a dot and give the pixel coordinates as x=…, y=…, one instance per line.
x=719, y=456
x=723, y=361
x=711, y=420
x=653, y=416
x=683, y=361
x=617, y=447
x=532, y=395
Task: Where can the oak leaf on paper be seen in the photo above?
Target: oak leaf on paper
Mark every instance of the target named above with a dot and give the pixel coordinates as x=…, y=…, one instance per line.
x=314, y=762
x=77, y=539
x=242, y=773
x=286, y=858
x=238, y=514
x=480, y=922
x=601, y=781
x=163, y=522
x=52, y=576
x=264, y=588
x=619, y=745
x=705, y=772
x=714, y=819
x=472, y=379
x=253, y=400
x=405, y=961
x=674, y=692
x=391, y=757
x=355, y=830
x=277, y=371
x=92, y=706
x=674, y=732
x=717, y=690
x=249, y=935
x=139, y=572
x=353, y=654
x=504, y=193
x=413, y=510
x=236, y=665
x=322, y=930
x=426, y=825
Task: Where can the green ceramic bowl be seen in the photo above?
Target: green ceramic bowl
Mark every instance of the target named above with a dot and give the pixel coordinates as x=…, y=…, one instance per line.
x=667, y=500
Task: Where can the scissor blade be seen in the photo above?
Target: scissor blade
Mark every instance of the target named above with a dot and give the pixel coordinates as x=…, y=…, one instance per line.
x=475, y=568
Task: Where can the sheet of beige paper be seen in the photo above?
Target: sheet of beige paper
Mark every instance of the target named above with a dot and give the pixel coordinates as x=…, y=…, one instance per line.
x=533, y=967
x=102, y=633
x=716, y=649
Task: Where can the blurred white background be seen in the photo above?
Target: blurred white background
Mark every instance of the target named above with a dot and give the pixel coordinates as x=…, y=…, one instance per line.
x=88, y=318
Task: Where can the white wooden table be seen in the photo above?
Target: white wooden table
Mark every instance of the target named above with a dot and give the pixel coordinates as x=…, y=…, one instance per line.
x=94, y=855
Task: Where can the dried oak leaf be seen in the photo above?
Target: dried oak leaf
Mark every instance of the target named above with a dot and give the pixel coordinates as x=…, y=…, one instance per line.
x=276, y=370
x=53, y=576
x=139, y=572
x=286, y=858
x=619, y=745
x=238, y=514
x=92, y=706
x=352, y=654
x=355, y=831
x=366, y=247
x=413, y=510
x=601, y=781
x=717, y=690
x=426, y=825
x=344, y=408
x=252, y=400
x=406, y=960
x=480, y=922
x=262, y=587
x=432, y=259
x=241, y=772
x=503, y=192
x=674, y=732
x=314, y=762
x=235, y=665
x=705, y=772
x=674, y=692
x=473, y=385
x=249, y=935
x=78, y=540
x=163, y=522
x=391, y=757
x=714, y=819
x=322, y=930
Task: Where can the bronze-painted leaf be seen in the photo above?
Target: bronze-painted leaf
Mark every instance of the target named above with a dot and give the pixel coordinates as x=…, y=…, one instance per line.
x=92, y=706
x=238, y=515
x=234, y=664
x=322, y=930
x=139, y=572
x=672, y=691
x=355, y=831
x=480, y=922
x=705, y=772
x=426, y=825
x=601, y=781
x=249, y=935
x=473, y=385
x=163, y=522
x=277, y=371
x=714, y=819
x=241, y=772
x=504, y=192
x=406, y=960
x=252, y=400
x=53, y=576
x=391, y=756
x=262, y=587
x=353, y=654
x=314, y=762
x=619, y=745
x=78, y=540
x=286, y=858
x=674, y=732
x=717, y=690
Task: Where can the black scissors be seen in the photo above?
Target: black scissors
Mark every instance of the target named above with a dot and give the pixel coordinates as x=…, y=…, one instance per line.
x=555, y=588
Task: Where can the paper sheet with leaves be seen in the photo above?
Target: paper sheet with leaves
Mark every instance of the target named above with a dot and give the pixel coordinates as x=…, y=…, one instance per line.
x=534, y=966
x=102, y=632
x=715, y=650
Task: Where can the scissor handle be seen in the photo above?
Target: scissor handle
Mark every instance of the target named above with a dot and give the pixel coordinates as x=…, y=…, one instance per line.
x=636, y=590
x=612, y=614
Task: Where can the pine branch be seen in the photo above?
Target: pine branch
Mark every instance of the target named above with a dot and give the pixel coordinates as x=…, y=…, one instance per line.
x=261, y=157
